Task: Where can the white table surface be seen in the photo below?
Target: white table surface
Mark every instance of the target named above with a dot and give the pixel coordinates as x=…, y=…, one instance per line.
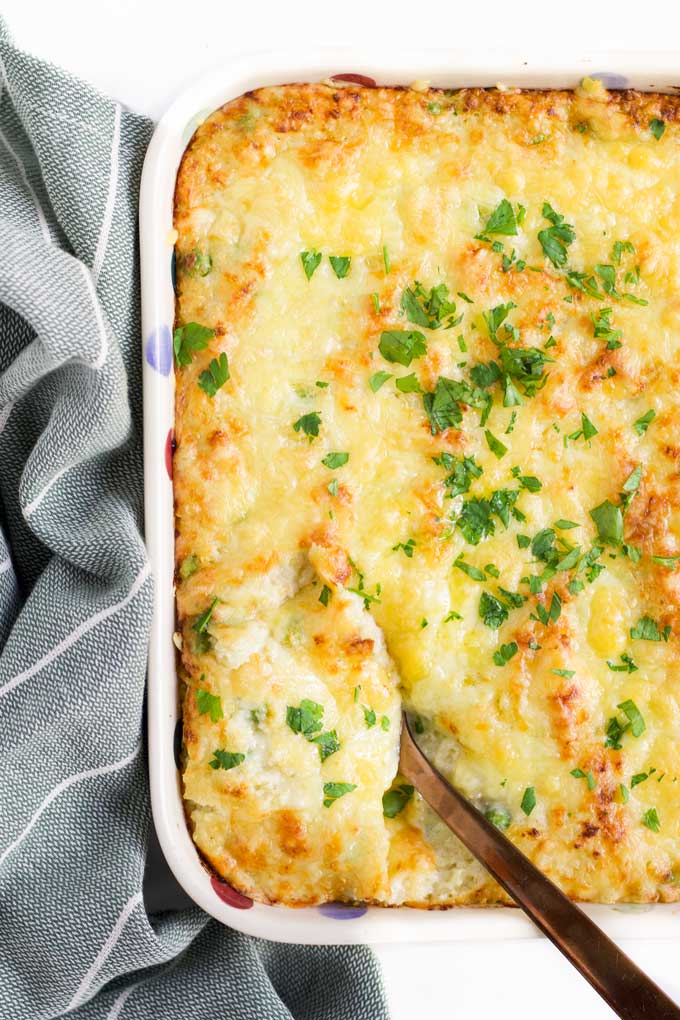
x=143, y=52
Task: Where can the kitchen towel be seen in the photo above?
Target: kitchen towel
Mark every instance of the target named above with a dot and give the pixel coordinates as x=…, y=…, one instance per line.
x=75, y=606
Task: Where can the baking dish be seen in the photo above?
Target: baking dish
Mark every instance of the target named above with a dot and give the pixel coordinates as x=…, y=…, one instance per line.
x=319, y=924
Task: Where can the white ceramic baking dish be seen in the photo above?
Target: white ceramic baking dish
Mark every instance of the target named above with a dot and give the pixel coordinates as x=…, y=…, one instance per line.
x=333, y=923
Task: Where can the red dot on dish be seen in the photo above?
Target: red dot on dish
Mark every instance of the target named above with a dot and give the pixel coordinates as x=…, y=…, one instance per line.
x=169, y=448
x=230, y=896
x=357, y=79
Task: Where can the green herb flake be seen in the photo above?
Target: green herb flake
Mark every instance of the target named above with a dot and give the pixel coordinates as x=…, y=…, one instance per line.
x=326, y=595
x=608, y=520
x=189, y=566
x=305, y=718
x=370, y=717
x=647, y=629
x=497, y=448
x=670, y=562
x=500, y=817
x=523, y=541
x=408, y=384
x=528, y=800
x=453, y=615
x=566, y=673
x=309, y=424
x=310, y=262
x=402, y=346
x=492, y=612
x=394, y=801
x=634, y=716
x=375, y=298
x=226, y=760
x=209, y=704
x=340, y=265
x=588, y=776
x=639, y=777
x=555, y=239
x=215, y=376
x=188, y=339
x=502, y=220
x=643, y=423
x=588, y=428
x=386, y=259
x=406, y=547
x=657, y=127
x=378, y=379
x=626, y=665
x=327, y=744
x=384, y=723
x=333, y=487
x=505, y=653
x=333, y=792
x=335, y=460
x=651, y=819
x=201, y=622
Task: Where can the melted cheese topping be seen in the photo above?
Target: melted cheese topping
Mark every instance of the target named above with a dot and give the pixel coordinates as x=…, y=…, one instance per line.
x=338, y=586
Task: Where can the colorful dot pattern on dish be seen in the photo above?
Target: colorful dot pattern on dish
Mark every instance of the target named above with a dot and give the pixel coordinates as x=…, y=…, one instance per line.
x=169, y=450
x=342, y=911
x=231, y=896
x=158, y=349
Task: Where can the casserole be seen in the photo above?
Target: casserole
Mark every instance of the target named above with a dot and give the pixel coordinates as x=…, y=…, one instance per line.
x=157, y=361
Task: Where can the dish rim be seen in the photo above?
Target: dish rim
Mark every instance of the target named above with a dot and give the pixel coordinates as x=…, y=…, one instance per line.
x=439, y=68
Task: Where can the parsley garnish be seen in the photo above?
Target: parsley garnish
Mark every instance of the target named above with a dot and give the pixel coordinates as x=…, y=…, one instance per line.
x=386, y=259
x=497, y=448
x=406, y=547
x=588, y=776
x=603, y=329
x=502, y=220
x=408, y=384
x=326, y=595
x=505, y=653
x=394, y=801
x=650, y=817
x=627, y=664
x=378, y=379
x=634, y=716
x=566, y=673
x=500, y=817
x=310, y=261
x=402, y=346
x=215, y=375
x=306, y=719
x=556, y=239
x=443, y=406
x=375, y=298
x=429, y=309
x=209, y=704
x=670, y=562
x=189, y=566
x=609, y=522
x=195, y=263
x=335, y=460
x=340, y=265
x=188, y=339
x=309, y=424
x=647, y=629
x=333, y=792
x=643, y=423
x=639, y=777
x=657, y=127
x=201, y=622
x=226, y=760
x=495, y=317
x=528, y=800
x=327, y=743
x=473, y=572
x=491, y=611
x=462, y=472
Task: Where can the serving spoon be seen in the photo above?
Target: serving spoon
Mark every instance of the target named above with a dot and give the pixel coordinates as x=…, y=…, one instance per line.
x=628, y=990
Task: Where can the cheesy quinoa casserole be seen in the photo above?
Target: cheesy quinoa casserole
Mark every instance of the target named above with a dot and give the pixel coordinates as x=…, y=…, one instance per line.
x=427, y=453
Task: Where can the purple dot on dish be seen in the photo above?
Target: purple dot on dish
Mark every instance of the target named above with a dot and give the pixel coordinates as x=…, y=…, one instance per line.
x=158, y=349
x=611, y=81
x=342, y=911
x=231, y=896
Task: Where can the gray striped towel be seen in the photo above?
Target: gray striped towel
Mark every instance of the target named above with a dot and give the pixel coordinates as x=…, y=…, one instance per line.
x=78, y=937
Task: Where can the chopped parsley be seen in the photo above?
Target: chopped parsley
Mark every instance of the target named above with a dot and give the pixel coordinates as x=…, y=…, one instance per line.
x=497, y=448
x=188, y=339
x=369, y=716
x=340, y=265
x=657, y=127
x=327, y=743
x=639, y=777
x=651, y=819
x=634, y=716
x=375, y=298
x=608, y=520
x=566, y=673
x=495, y=318
x=306, y=719
x=226, y=759
x=473, y=572
x=402, y=346
x=492, y=612
x=335, y=460
x=670, y=562
x=430, y=309
x=588, y=776
x=378, y=379
x=528, y=800
x=461, y=473
x=310, y=262
x=603, y=329
x=333, y=792
x=189, y=565
x=406, y=547
x=626, y=666
x=643, y=423
x=215, y=376
x=502, y=220
x=326, y=595
x=394, y=801
x=555, y=240
x=195, y=263
x=201, y=622
x=443, y=406
x=408, y=384
x=333, y=486
x=209, y=704
x=386, y=259
x=505, y=653
x=500, y=817
x=309, y=424
x=647, y=629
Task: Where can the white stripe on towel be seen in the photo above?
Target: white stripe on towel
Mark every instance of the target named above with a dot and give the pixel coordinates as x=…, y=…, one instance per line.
x=105, y=951
x=44, y=227
x=75, y=635
x=79, y=777
x=107, y=219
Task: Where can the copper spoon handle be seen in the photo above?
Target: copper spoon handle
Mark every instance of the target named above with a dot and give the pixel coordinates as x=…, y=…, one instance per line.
x=630, y=993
